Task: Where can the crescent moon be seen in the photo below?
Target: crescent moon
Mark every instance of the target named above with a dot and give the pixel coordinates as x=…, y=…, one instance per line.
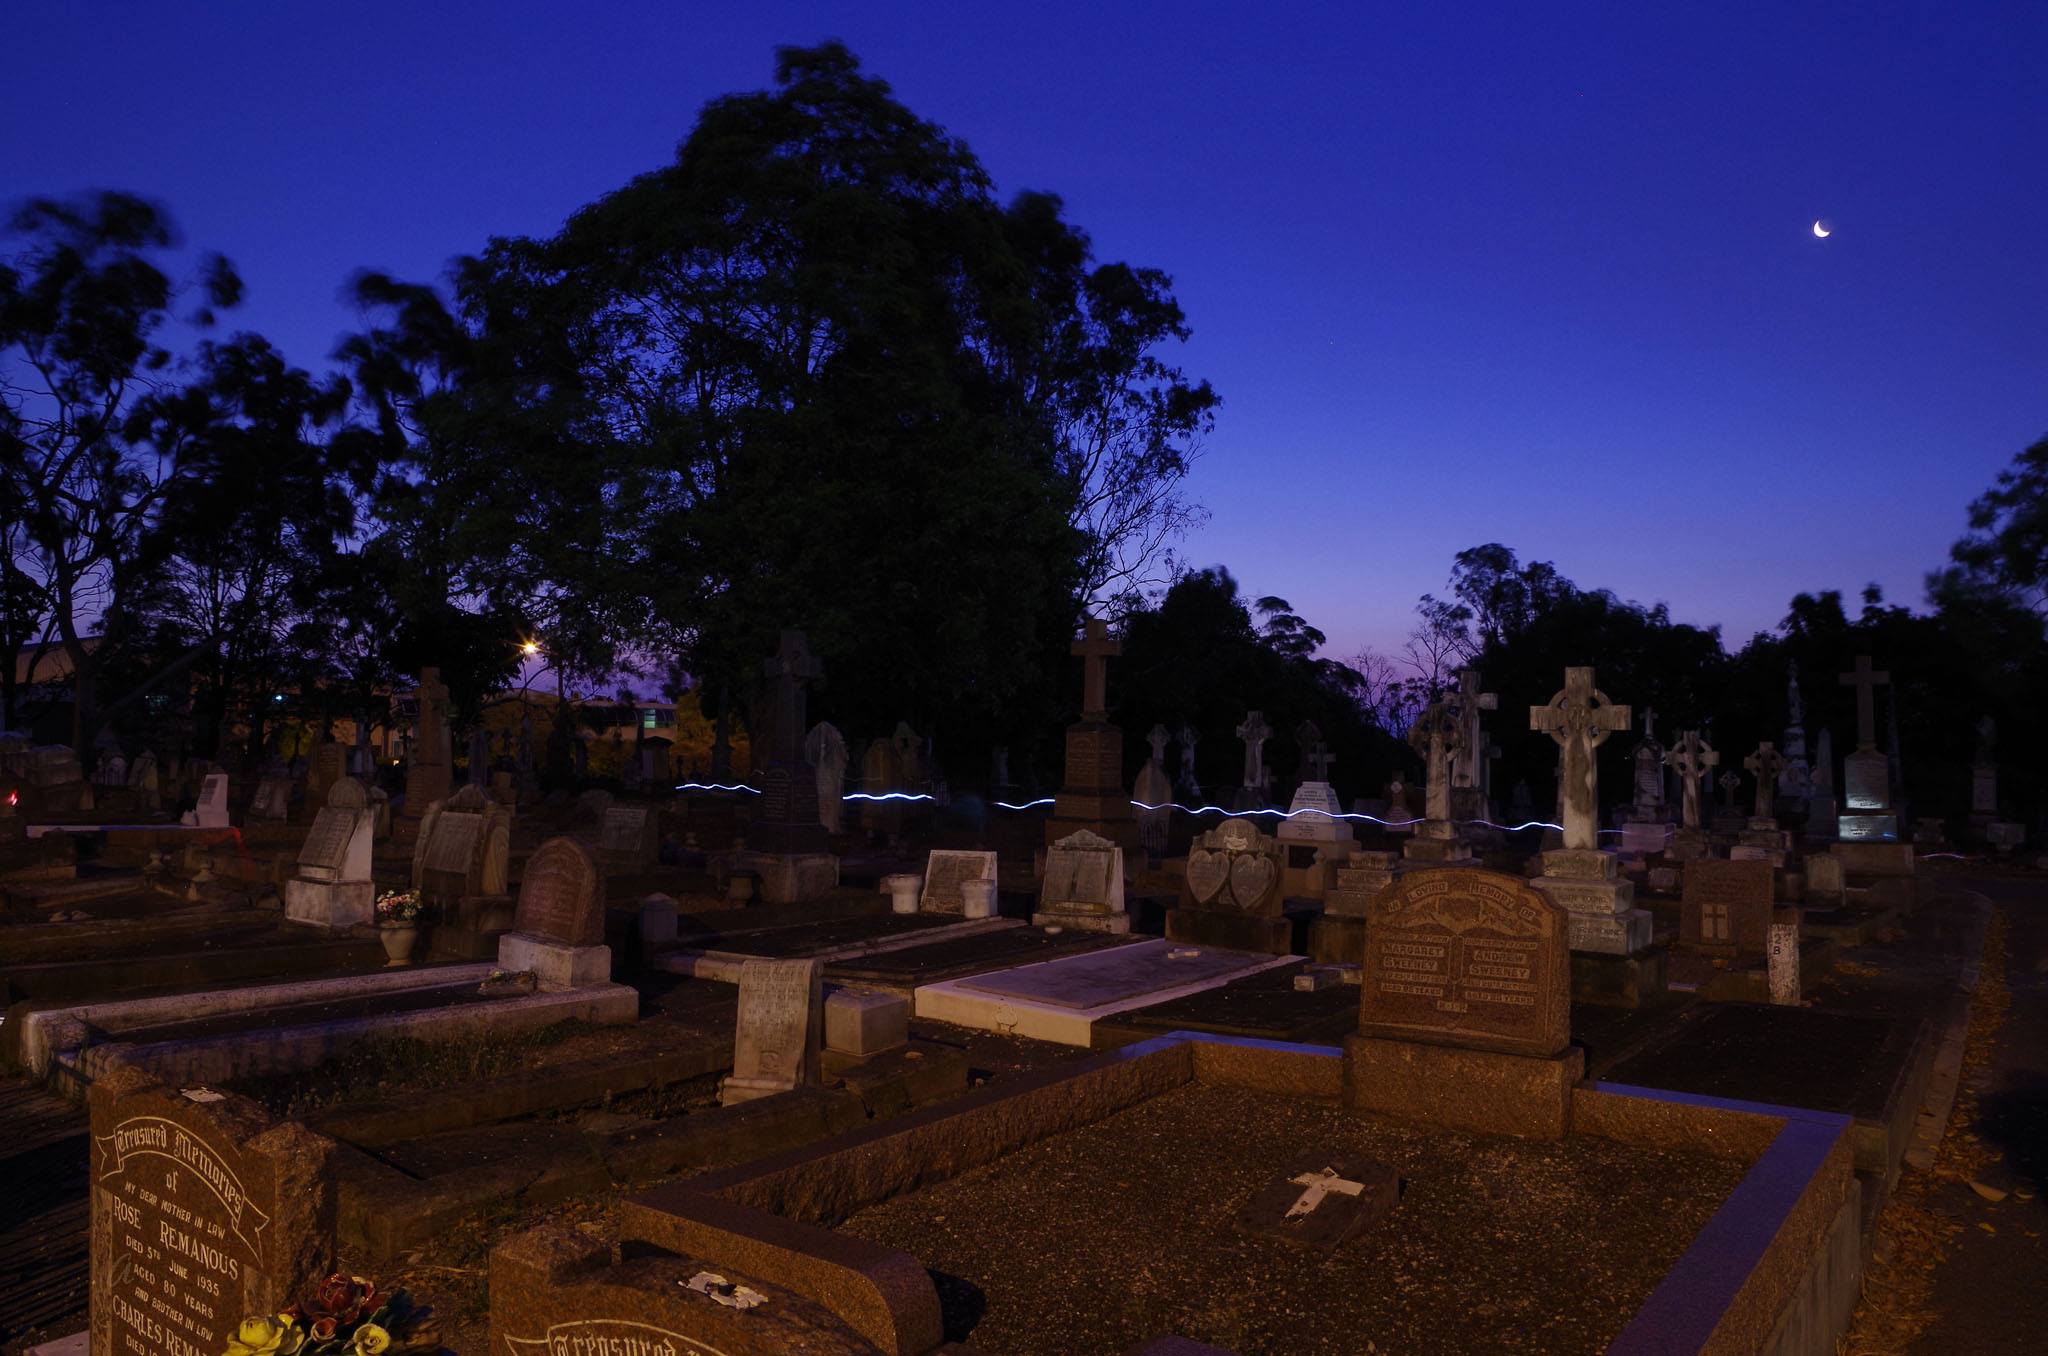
x=1821, y=231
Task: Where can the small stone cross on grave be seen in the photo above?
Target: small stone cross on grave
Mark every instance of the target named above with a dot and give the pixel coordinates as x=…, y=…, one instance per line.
x=1096, y=647
x=1255, y=732
x=1315, y=754
x=1766, y=763
x=1692, y=759
x=1865, y=680
x=1731, y=782
x=1469, y=758
x=1315, y=1186
x=1579, y=719
x=790, y=669
x=1438, y=735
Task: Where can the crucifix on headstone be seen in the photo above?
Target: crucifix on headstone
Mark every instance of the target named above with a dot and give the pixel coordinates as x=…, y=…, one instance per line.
x=790, y=669
x=1438, y=735
x=1468, y=764
x=1579, y=719
x=1315, y=754
x=1157, y=739
x=1765, y=763
x=1096, y=648
x=1255, y=732
x=1865, y=680
x=1692, y=759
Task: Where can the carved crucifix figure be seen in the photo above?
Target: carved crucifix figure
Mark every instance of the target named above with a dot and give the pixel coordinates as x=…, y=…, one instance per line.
x=1468, y=764
x=1096, y=647
x=1315, y=754
x=1865, y=680
x=1438, y=735
x=1765, y=763
x=1692, y=759
x=1255, y=732
x=1579, y=719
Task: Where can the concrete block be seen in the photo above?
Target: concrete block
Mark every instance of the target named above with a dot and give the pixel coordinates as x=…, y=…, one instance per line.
x=555, y=966
x=865, y=1024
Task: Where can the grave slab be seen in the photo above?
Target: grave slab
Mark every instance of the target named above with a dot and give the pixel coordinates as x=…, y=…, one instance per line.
x=1061, y=1000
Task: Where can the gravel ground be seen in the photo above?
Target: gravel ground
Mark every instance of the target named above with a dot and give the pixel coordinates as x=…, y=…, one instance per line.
x=1101, y=1238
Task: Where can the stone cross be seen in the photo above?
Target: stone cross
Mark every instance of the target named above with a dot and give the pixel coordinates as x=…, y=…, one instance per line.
x=1188, y=784
x=1468, y=765
x=1095, y=647
x=1438, y=735
x=1865, y=680
x=790, y=669
x=1766, y=763
x=1316, y=1185
x=1649, y=725
x=1255, y=732
x=1692, y=759
x=1730, y=782
x=1315, y=754
x=1579, y=719
x=1157, y=739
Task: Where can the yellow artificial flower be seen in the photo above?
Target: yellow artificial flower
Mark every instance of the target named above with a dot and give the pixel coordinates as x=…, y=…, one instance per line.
x=261, y=1336
x=371, y=1340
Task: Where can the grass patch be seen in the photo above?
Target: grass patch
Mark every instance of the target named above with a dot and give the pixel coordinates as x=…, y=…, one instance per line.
x=380, y=1067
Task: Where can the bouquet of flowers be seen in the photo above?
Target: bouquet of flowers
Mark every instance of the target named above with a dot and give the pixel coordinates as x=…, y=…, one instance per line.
x=399, y=906
x=343, y=1316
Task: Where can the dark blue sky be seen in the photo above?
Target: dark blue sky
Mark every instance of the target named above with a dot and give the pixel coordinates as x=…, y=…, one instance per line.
x=1540, y=274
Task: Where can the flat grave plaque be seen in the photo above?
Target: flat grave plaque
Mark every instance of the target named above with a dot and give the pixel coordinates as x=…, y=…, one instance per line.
x=1111, y=975
x=1460, y=956
x=1322, y=1200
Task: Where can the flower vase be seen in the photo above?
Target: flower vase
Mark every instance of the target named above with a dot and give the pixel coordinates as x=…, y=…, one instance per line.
x=399, y=940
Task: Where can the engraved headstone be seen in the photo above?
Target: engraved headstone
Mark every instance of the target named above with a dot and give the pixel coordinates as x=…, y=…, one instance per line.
x=781, y=1028
x=825, y=751
x=630, y=839
x=1231, y=892
x=1084, y=885
x=463, y=847
x=1726, y=905
x=943, y=875
x=204, y=1210
x=212, y=810
x=561, y=895
x=1460, y=956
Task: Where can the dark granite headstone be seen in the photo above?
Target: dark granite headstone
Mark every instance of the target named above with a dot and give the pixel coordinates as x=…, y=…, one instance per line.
x=1727, y=904
x=561, y=896
x=1459, y=956
x=205, y=1210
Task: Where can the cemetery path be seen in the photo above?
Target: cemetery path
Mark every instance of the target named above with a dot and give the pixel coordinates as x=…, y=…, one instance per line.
x=1990, y=1292
x=43, y=1220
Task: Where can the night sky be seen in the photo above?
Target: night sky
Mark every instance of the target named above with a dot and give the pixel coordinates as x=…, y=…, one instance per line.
x=1538, y=274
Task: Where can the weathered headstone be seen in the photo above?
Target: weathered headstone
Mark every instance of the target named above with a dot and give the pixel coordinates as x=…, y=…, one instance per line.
x=1726, y=906
x=329, y=764
x=145, y=782
x=786, y=843
x=1152, y=797
x=1253, y=791
x=212, y=810
x=1084, y=885
x=1231, y=892
x=430, y=757
x=825, y=751
x=1783, y=960
x=1093, y=794
x=1578, y=875
x=1866, y=774
x=629, y=839
x=558, y=925
x=1439, y=736
x=781, y=1029
x=1465, y=1006
x=332, y=885
x=205, y=1210
x=944, y=874
x=273, y=801
x=463, y=848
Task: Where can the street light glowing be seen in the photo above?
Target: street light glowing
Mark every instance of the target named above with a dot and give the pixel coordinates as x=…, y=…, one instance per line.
x=529, y=648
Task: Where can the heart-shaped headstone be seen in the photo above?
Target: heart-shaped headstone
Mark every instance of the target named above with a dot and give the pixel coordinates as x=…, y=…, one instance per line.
x=1206, y=873
x=1251, y=876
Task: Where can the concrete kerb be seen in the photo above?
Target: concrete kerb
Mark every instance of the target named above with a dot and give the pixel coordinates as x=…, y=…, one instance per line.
x=1774, y=1270
x=724, y=966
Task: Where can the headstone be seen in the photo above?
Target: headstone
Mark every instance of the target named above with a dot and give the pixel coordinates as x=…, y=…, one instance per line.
x=1824, y=876
x=1152, y=796
x=273, y=800
x=212, y=810
x=943, y=874
x=558, y=925
x=1578, y=876
x=1253, y=791
x=1470, y=763
x=1866, y=774
x=204, y=1211
x=1231, y=892
x=463, y=848
x=1093, y=794
x=825, y=751
x=1084, y=885
x=146, y=783
x=1726, y=906
x=1189, y=786
x=629, y=839
x=786, y=842
x=1765, y=765
x=781, y=1029
x=1823, y=810
x=1466, y=957
x=1795, y=778
x=879, y=774
x=328, y=765
x=1693, y=759
x=431, y=758
x=1439, y=735
x=1783, y=959
x=332, y=885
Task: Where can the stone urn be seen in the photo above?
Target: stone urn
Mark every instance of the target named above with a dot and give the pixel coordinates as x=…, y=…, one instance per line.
x=977, y=899
x=399, y=940
x=902, y=889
